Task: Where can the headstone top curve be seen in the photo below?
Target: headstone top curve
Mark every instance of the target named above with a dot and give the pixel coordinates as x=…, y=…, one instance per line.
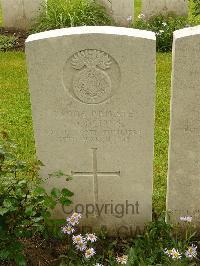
x=186, y=32
x=110, y=30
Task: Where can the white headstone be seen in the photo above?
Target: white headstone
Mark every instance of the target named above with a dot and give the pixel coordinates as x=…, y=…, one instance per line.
x=20, y=14
x=183, y=196
x=93, y=115
x=121, y=10
x=155, y=7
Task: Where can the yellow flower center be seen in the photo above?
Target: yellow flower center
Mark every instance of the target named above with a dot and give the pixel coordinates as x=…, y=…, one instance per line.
x=88, y=252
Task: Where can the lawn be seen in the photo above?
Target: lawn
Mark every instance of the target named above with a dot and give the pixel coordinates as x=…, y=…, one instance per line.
x=137, y=8
x=0, y=16
x=15, y=107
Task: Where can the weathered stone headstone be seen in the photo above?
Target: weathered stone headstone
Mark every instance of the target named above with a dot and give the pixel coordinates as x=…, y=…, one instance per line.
x=20, y=14
x=156, y=7
x=183, y=197
x=120, y=10
x=92, y=94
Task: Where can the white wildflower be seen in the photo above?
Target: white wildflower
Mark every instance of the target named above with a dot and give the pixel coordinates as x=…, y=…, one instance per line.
x=191, y=252
x=186, y=219
x=89, y=253
x=164, y=24
x=72, y=220
x=175, y=254
x=77, y=239
x=129, y=19
x=168, y=252
x=76, y=215
x=68, y=229
x=141, y=16
x=91, y=237
x=122, y=260
x=81, y=245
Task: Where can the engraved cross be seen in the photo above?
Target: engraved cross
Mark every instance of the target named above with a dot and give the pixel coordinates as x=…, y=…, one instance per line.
x=95, y=174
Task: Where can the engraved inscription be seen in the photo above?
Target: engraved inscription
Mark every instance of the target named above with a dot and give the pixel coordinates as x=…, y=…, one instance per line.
x=98, y=126
x=94, y=76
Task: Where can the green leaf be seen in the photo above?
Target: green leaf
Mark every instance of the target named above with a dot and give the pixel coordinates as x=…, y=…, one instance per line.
x=66, y=192
x=7, y=203
x=4, y=254
x=29, y=211
x=40, y=163
x=3, y=211
x=22, y=182
x=19, y=192
x=50, y=203
x=46, y=215
x=40, y=190
x=65, y=202
x=38, y=219
x=20, y=260
x=55, y=192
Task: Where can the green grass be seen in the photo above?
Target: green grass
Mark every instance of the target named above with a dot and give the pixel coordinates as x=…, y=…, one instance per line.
x=15, y=113
x=1, y=19
x=161, y=129
x=70, y=13
x=7, y=42
x=137, y=8
x=192, y=19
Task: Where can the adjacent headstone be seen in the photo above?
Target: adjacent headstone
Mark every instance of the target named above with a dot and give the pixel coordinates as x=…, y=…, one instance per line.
x=183, y=197
x=20, y=14
x=155, y=7
x=121, y=10
x=92, y=94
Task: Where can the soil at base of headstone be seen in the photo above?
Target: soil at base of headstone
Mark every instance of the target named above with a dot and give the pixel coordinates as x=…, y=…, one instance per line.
x=40, y=252
x=20, y=38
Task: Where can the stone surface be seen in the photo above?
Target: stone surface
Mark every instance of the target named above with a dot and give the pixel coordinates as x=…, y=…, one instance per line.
x=121, y=10
x=156, y=7
x=20, y=14
x=92, y=93
x=184, y=155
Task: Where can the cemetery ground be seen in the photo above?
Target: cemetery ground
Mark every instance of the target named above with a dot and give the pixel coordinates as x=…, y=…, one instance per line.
x=16, y=119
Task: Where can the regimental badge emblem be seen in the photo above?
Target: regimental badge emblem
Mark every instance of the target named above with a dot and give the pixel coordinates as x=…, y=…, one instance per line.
x=92, y=76
x=91, y=83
